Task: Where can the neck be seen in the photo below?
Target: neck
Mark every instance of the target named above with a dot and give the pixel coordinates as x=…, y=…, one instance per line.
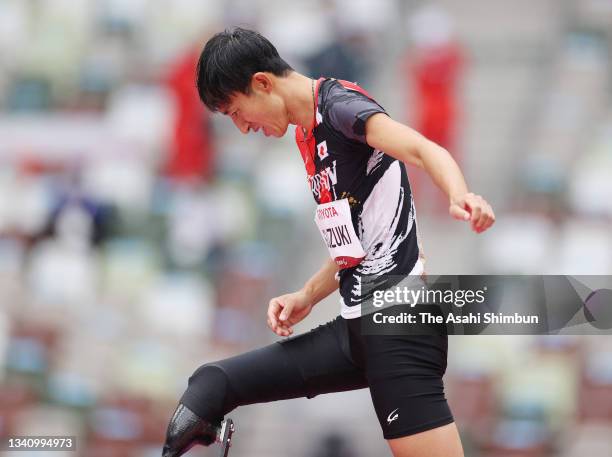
x=297, y=92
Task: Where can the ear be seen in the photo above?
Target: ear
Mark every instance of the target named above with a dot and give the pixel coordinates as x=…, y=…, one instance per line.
x=262, y=81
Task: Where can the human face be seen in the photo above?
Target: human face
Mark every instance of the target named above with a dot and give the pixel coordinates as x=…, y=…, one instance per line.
x=262, y=109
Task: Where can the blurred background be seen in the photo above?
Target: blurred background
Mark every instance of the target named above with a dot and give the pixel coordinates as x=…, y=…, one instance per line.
x=141, y=237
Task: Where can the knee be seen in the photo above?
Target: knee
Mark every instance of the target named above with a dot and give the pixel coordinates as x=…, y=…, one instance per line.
x=208, y=370
x=209, y=393
x=209, y=379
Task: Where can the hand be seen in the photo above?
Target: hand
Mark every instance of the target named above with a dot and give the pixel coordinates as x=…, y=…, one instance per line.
x=287, y=310
x=473, y=208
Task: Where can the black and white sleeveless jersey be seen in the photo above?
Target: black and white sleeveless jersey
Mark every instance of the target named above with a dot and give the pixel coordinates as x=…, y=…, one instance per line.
x=340, y=164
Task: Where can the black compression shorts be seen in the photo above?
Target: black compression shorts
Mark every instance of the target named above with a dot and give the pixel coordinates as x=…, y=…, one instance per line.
x=403, y=372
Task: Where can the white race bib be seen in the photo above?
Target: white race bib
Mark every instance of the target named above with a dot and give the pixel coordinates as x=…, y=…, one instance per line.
x=336, y=227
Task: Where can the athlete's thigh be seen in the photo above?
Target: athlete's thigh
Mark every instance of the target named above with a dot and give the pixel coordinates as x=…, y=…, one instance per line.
x=442, y=441
x=405, y=376
x=303, y=365
x=324, y=358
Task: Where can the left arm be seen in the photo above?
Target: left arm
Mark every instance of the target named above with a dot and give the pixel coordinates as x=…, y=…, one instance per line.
x=409, y=146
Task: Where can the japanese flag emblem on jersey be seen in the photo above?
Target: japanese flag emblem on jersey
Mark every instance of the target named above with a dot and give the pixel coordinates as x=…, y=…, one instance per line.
x=322, y=150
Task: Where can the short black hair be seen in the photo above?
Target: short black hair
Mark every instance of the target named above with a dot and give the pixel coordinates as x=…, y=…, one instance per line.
x=228, y=62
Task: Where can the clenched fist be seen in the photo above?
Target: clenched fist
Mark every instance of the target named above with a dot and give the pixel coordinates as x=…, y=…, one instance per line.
x=287, y=310
x=473, y=208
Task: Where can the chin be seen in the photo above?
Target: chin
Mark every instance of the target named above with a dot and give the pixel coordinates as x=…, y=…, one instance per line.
x=280, y=133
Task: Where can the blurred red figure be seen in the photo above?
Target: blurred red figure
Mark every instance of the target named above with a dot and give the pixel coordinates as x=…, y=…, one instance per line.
x=434, y=65
x=435, y=72
x=191, y=152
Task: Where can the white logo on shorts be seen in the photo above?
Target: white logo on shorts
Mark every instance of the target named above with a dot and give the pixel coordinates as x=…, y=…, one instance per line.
x=391, y=417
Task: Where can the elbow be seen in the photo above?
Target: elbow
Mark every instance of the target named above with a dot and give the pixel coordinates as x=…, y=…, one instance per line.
x=426, y=152
x=418, y=162
x=413, y=156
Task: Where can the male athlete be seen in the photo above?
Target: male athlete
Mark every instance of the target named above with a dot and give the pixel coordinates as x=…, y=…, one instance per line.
x=355, y=157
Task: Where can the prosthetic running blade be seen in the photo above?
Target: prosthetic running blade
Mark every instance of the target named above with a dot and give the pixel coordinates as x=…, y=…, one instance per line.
x=225, y=436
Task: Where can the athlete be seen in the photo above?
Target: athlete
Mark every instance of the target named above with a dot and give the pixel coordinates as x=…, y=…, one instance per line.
x=355, y=157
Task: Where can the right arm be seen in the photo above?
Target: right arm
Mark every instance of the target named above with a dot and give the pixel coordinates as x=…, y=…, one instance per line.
x=322, y=283
x=289, y=309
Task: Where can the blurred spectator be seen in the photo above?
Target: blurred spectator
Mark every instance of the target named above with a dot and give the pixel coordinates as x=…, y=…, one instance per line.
x=342, y=58
x=191, y=151
x=433, y=65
